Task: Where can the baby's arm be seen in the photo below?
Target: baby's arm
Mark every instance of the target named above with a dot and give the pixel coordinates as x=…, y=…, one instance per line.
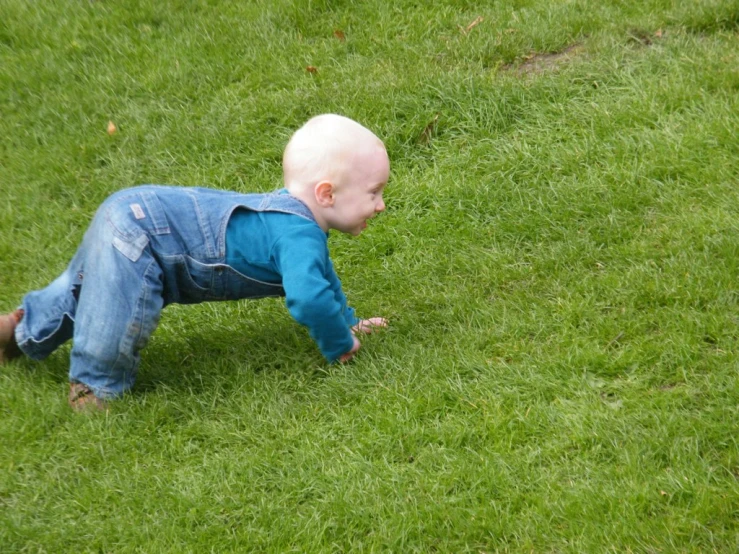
x=302, y=260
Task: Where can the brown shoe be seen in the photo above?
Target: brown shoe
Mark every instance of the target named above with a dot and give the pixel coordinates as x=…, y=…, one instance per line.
x=8, y=347
x=82, y=399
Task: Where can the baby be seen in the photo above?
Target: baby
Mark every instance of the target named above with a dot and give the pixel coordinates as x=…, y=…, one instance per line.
x=150, y=246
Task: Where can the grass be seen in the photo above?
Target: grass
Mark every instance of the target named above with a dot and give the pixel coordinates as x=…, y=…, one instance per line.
x=558, y=260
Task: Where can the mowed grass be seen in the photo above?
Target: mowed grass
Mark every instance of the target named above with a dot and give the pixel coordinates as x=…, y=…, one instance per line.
x=558, y=260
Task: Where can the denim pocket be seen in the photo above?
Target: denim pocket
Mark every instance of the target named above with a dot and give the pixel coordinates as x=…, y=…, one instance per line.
x=136, y=213
x=131, y=250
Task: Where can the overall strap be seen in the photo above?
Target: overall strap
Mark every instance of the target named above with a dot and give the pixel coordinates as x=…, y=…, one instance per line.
x=282, y=201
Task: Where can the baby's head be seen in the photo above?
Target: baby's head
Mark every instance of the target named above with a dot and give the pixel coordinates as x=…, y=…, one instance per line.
x=328, y=148
x=339, y=168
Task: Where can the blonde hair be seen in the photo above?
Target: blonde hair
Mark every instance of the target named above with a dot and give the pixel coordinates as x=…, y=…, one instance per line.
x=323, y=150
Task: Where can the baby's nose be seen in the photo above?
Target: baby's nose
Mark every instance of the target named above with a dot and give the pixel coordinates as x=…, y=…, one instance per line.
x=380, y=207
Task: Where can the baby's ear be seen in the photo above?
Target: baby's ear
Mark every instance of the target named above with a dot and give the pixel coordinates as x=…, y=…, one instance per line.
x=324, y=194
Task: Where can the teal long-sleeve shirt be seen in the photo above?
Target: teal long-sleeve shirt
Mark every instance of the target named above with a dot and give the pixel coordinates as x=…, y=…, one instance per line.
x=293, y=251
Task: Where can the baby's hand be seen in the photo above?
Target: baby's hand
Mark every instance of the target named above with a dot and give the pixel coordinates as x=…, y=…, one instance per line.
x=368, y=326
x=349, y=355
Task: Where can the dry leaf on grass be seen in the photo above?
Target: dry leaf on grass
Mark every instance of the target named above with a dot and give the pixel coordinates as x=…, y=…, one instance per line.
x=339, y=34
x=472, y=25
x=311, y=69
x=111, y=128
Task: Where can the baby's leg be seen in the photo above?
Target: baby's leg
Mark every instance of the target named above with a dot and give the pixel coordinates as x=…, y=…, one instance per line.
x=48, y=314
x=119, y=305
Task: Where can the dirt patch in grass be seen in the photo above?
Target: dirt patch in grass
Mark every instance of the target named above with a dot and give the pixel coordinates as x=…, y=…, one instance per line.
x=541, y=62
x=640, y=37
x=547, y=61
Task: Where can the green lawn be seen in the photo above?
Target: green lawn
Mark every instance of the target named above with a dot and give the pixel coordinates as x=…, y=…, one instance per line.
x=559, y=262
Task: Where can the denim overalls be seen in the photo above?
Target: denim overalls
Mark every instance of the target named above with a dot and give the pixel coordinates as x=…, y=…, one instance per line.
x=146, y=247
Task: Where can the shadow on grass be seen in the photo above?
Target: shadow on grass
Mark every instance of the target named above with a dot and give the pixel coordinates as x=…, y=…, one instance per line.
x=219, y=359
x=222, y=358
